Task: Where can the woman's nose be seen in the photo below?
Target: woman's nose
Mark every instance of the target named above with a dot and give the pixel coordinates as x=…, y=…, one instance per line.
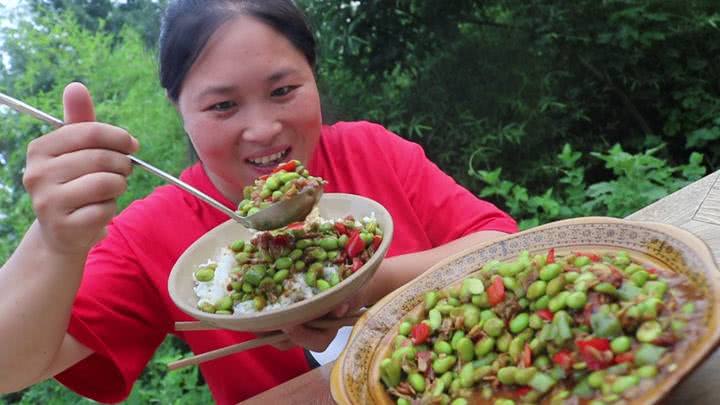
x=261, y=127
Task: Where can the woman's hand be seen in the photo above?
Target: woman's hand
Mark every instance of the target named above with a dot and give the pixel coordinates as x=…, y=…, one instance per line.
x=75, y=174
x=318, y=340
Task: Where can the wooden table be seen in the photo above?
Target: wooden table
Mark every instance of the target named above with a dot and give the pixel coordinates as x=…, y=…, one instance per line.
x=695, y=208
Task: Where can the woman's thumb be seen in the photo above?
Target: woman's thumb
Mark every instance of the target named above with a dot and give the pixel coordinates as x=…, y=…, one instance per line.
x=77, y=104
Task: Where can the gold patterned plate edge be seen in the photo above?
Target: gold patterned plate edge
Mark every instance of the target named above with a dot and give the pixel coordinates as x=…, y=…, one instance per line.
x=675, y=248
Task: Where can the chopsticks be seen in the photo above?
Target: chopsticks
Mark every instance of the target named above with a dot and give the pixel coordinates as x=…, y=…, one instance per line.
x=269, y=339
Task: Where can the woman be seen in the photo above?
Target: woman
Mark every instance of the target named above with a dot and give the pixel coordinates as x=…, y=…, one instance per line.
x=88, y=302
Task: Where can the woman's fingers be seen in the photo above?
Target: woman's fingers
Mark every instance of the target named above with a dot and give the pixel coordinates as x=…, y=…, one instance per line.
x=82, y=136
x=313, y=339
x=77, y=104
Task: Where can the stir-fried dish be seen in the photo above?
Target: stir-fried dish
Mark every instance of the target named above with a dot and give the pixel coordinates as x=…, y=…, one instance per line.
x=285, y=181
x=584, y=328
x=279, y=267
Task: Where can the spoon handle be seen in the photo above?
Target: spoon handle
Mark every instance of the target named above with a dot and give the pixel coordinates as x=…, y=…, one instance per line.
x=22, y=107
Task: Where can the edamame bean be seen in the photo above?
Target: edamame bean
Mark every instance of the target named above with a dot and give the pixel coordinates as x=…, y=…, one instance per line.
x=283, y=263
x=524, y=375
x=390, y=372
x=465, y=349
x=536, y=322
x=506, y=375
x=648, y=331
x=484, y=346
x=558, y=302
x=405, y=328
x=648, y=371
x=224, y=304
x=281, y=275
x=624, y=383
x=238, y=245
x=576, y=300
x=474, y=286
x=417, y=381
x=459, y=334
x=536, y=289
x=205, y=274
x=329, y=243
x=435, y=319
x=555, y=286
x=639, y=278
x=431, y=299
x=442, y=346
x=519, y=322
x=550, y=271
x=606, y=288
x=620, y=344
x=443, y=364
x=255, y=274
x=493, y=327
x=322, y=285
x=466, y=376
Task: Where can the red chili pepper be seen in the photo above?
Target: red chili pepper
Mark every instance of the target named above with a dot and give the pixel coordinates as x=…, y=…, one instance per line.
x=288, y=167
x=496, y=291
x=296, y=225
x=592, y=256
x=545, y=314
x=624, y=358
x=341, y=228
x=377, y=239
x=526, y=359
x=419, y=333
x=595, y=352
x=521, y=391
x=601, y=344
x=562, y=359
x=550, y=256
x=355, y=245
x=356, y=264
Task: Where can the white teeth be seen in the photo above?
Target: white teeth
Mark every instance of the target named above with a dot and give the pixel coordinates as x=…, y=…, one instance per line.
x=267, y=159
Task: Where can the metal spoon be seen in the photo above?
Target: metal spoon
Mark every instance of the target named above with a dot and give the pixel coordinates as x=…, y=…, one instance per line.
x=275, y=216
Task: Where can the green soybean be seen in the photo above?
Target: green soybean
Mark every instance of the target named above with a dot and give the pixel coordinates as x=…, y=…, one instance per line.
x=620, y=344
x=576, y=300
x=443, y=364
x=536, y=289
x=519, y=322
x=550, y=271
x=205, y=274
x=465, y=349
x=417, y=381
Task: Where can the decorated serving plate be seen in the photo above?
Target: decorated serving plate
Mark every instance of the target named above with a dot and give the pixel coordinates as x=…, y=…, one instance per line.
x=357, y=378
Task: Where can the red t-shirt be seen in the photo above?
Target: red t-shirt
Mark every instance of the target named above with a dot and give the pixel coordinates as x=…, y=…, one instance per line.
x=123, y=310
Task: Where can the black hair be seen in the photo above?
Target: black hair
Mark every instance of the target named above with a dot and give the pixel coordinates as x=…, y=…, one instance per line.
x=188, y=25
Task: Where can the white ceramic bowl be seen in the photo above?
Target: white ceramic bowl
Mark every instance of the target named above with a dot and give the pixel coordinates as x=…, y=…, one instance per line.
x=331, y=206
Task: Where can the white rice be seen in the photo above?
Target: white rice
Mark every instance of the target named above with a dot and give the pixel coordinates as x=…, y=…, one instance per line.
x=211, y=291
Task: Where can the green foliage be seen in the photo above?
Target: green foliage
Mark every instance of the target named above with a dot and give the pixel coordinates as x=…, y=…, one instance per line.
x=640, y=179
x=156, y=385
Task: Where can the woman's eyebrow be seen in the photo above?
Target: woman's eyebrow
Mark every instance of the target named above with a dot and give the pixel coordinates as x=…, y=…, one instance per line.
x=279, y=74
x=214, y=90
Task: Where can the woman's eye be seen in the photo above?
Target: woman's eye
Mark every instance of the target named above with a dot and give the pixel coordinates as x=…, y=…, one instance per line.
x=223, y=106
x=283, y=91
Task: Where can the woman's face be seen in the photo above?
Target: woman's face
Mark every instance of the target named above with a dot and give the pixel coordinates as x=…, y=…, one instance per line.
x=249, y=102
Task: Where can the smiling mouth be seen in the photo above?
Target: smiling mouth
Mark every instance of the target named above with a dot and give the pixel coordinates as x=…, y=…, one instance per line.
x=269, y=160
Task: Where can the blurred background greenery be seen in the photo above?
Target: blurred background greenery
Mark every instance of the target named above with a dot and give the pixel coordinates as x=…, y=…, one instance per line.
x=550, y=110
